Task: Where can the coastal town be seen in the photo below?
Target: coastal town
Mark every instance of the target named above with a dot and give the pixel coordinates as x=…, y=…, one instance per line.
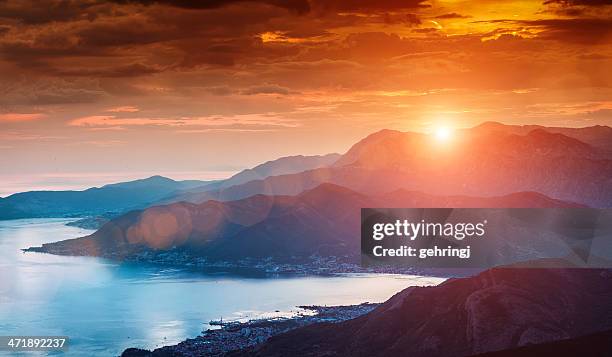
x=236, y=335
x=312, y=265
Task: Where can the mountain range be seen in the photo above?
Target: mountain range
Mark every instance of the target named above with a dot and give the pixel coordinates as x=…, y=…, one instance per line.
x=111, y=200
x=282, y=166
x=476, y=162
x=598, y=136
x=315, y=212
x=115, y=198
x=324, y=221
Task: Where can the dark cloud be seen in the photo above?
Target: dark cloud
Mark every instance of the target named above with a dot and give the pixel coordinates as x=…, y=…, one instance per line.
x=368, y=5
x=189, y=39
x=43, y=11
x=298, y=6
x=577, y=30
x=584, y=31
x=50, y=91
x=452, y=15
x=180, y=49
x=579, y=2
x=405, y=18
x=577, y=8
x=128, y=70
x=429, y=30
x=191, y=33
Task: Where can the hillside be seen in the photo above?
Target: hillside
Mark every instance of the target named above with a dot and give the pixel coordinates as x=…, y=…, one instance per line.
x=500, y=309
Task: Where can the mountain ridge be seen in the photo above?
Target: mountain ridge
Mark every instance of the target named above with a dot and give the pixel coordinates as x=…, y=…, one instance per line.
x=479, y=165
x=280, y=166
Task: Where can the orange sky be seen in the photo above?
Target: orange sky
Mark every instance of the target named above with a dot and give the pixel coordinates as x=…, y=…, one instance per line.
x=136, y=87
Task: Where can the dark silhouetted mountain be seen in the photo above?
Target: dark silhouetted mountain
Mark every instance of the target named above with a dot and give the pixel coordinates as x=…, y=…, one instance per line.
x=324, y=221
x=499, y=309
x=117, y=197
x=281, y=166
x=475, y=162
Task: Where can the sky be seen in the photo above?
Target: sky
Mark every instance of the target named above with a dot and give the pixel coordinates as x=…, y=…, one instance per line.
x=95, y=91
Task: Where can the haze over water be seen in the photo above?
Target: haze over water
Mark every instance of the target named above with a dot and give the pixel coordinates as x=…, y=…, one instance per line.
x=106, y=307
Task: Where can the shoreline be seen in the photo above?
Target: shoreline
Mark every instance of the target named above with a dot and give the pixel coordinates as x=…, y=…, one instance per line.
x=236, y=335
x=313, y=265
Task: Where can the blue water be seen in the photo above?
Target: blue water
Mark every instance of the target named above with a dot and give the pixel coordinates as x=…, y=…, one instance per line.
x=105, y=307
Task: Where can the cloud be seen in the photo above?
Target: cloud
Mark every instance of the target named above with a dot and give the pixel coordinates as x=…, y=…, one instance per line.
x=267, y=120
x=575, y=30
x=594, y=57
x=113, y=121
x=25, y=136
x=587, y=31
x=579, y=2
x=49, y=91
x=266, y=89
x=129, y=70
x=452, y=15
x=225, y=130
x=20, y=117
x=299, y=6
x=123, y=109
x=368, y=5
x=98, y=143
x=45, y=11
x=181, y=61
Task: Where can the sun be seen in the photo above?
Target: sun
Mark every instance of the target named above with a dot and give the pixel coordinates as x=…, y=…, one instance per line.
x=443, y=133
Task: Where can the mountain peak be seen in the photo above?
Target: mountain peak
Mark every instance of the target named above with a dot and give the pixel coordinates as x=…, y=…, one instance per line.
x=327, y=188
x=490, y=125
x=156, y=180
x=382, y=145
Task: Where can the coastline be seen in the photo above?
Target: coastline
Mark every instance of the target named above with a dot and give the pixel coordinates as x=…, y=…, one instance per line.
x=313, y=265
x=236, y=335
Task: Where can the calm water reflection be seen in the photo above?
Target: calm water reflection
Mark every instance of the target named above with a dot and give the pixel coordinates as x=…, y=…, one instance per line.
x=106, y=307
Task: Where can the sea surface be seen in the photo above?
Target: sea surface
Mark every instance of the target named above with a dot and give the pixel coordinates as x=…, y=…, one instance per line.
x=105, y=307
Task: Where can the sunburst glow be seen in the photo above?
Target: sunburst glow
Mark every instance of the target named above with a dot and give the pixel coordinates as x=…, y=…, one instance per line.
x=443, y=133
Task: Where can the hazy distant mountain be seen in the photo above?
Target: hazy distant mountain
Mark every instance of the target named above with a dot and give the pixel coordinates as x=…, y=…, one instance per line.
x=281, y=166
x=499, y=309
x=114, y=197
x=322, y=221
x=598, y=136
x=476, y=162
